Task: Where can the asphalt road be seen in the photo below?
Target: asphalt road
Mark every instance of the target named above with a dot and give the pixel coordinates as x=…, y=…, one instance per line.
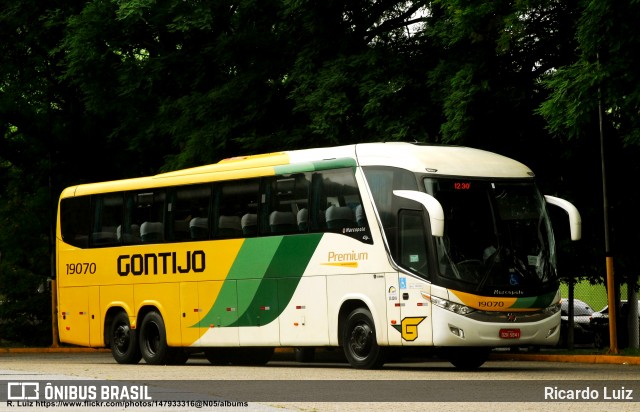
x=329, y=384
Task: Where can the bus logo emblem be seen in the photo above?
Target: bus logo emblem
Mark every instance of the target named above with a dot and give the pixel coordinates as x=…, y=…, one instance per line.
x=409, y=328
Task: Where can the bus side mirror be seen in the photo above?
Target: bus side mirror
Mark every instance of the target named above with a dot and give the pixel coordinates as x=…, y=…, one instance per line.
x=434, y=208
x=575, y=221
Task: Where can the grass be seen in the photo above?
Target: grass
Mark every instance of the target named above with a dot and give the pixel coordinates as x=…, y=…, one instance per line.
x=594, y=295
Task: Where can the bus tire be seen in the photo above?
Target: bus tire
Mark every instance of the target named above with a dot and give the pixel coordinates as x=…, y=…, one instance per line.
x=359, y=341
x=124, y=340
x=153, y=340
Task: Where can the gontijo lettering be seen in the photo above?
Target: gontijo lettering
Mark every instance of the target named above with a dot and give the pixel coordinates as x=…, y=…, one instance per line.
x=163, y=263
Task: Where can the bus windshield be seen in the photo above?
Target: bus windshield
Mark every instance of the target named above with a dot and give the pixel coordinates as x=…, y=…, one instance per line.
x=498, y=238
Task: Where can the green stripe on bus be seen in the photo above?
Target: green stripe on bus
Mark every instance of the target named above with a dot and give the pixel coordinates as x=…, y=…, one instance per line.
x=535, y=301
x=276, y=288
x=314, y=166
x=257, y=291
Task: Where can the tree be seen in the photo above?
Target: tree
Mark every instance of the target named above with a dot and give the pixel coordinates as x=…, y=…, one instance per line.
x=603, y=76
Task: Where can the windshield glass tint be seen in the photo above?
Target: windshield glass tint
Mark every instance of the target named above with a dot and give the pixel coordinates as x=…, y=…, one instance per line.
x=497, y=235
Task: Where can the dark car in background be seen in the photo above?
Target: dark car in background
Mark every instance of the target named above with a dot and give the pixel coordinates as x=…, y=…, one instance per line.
x=600, y=325
x=582, y=332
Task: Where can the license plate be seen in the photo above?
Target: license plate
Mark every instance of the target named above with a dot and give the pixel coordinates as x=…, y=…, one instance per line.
x=510, y=333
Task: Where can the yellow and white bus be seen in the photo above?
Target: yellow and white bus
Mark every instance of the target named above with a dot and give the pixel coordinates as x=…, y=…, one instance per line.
x=370, y=247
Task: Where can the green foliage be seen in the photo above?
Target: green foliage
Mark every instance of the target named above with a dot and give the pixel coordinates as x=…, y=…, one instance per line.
x=603, y=74
x=25, y=313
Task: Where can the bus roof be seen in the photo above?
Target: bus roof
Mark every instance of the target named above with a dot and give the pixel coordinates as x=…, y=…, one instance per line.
x=439, y=160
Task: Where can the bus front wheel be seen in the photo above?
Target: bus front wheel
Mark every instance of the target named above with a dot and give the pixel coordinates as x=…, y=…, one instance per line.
x=123, y=340
x=153, y=340
x=359, y=341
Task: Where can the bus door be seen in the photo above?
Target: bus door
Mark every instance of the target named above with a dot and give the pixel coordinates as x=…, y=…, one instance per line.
x=408, y=314
x=394, y=317
x=415, y=326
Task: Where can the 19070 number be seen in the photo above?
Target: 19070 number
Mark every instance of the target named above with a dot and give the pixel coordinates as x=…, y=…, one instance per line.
x=81, y=268
x=490, y=304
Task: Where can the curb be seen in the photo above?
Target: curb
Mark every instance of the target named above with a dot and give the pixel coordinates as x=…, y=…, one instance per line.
x=54, y=350
x=601, y=359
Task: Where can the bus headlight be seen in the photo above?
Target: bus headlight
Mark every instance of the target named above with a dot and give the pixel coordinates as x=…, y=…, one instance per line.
x=457, y=308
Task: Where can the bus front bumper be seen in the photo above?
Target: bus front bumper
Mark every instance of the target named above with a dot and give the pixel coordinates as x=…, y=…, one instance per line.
x=451, y=329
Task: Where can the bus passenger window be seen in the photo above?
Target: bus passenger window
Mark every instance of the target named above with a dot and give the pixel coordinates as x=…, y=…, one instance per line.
x=128, y=235
x=151, y=232
x=249, y=223
x=188, y=212
x=107, y=216
x=339, y=217
x=199, y=228
x=229, y=226
x=287, y=197
x=282, y=222
x=335, y=204
x=361, y=219
x=303, y=220
x=236, y=201
x=144, y=217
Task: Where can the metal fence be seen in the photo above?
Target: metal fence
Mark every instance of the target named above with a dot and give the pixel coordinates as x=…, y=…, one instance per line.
x=590, y=327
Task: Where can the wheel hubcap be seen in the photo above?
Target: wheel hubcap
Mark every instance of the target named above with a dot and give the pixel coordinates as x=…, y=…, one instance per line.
x=360, y=342
x=121, y=337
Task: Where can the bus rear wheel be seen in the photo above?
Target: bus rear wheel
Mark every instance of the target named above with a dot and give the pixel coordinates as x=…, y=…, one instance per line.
x=359, y=341
x=153, y=341
x=124, y=340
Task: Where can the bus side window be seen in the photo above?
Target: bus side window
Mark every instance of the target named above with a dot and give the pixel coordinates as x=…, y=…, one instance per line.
x=339, y=217
x=335, y=197
x=287, y=197
x=107, y=216
x=238, y=203
x=188, y=213
x=361, y=218
x=151, y=232
x=249, y=223
x=144, y=220
x=302, y=219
